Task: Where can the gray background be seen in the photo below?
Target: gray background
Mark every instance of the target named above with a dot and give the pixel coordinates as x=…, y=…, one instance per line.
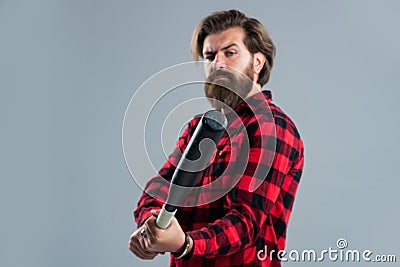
x=69, y=68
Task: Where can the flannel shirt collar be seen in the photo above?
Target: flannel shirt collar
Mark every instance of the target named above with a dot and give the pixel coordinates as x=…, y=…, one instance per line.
x=254, y=100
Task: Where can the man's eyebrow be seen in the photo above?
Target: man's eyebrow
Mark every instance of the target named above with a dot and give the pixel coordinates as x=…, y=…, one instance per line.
x=224, y=48
x=228, y=46
x=209, y=53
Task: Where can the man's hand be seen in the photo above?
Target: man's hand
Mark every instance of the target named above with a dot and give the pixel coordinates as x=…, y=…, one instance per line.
x=137, y=246
x=171, y=239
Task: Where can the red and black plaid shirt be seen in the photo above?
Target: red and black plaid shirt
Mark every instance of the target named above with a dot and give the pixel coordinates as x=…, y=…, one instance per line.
x=232, y=229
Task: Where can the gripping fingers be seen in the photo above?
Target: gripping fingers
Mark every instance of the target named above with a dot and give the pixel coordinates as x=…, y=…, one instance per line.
x=140, y=253
x=137, y=246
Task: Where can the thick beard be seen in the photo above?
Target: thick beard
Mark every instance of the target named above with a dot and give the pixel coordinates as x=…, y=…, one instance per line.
x=230, y=91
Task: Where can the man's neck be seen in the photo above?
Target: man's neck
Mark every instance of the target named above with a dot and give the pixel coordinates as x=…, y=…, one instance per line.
x=254, y=90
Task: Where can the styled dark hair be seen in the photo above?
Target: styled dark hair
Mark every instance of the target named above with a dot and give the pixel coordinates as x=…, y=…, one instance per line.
x=257, y=39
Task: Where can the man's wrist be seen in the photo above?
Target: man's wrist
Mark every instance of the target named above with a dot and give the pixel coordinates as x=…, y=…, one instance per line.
x=185, y=249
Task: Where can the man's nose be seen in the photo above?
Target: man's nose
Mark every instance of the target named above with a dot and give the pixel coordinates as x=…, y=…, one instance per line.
x=219, y=62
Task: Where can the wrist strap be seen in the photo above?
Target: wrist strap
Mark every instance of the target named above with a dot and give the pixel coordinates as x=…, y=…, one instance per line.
x=183, y=251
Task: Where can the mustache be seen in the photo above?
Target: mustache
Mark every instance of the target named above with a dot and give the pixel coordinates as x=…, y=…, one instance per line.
x=220, y=73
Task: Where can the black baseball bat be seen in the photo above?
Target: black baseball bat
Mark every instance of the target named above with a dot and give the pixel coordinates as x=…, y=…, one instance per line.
x=193, y=161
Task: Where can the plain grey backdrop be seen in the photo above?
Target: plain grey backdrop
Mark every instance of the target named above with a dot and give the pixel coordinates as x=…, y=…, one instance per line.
x=69, y=68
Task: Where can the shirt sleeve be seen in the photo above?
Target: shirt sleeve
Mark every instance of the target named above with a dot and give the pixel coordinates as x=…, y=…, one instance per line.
x=246, y=210
x=156, y=190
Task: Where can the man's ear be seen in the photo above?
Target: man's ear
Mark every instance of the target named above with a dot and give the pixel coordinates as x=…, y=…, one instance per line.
x=258, y=61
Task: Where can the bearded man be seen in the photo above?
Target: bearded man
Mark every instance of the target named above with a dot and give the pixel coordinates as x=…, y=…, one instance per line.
x=235, y=229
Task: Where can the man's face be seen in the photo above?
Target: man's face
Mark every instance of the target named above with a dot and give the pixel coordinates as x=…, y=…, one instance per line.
x=228, y=67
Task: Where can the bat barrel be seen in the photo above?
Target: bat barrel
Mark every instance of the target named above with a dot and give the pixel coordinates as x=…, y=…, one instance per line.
x=193, y=161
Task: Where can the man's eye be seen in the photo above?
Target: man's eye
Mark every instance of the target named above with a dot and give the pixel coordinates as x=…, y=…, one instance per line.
x=230, y=53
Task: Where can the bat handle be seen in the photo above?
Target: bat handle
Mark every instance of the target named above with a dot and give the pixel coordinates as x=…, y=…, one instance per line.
x=164, y=218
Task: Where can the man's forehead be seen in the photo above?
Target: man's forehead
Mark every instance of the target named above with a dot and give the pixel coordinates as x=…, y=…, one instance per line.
x=223, y=39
